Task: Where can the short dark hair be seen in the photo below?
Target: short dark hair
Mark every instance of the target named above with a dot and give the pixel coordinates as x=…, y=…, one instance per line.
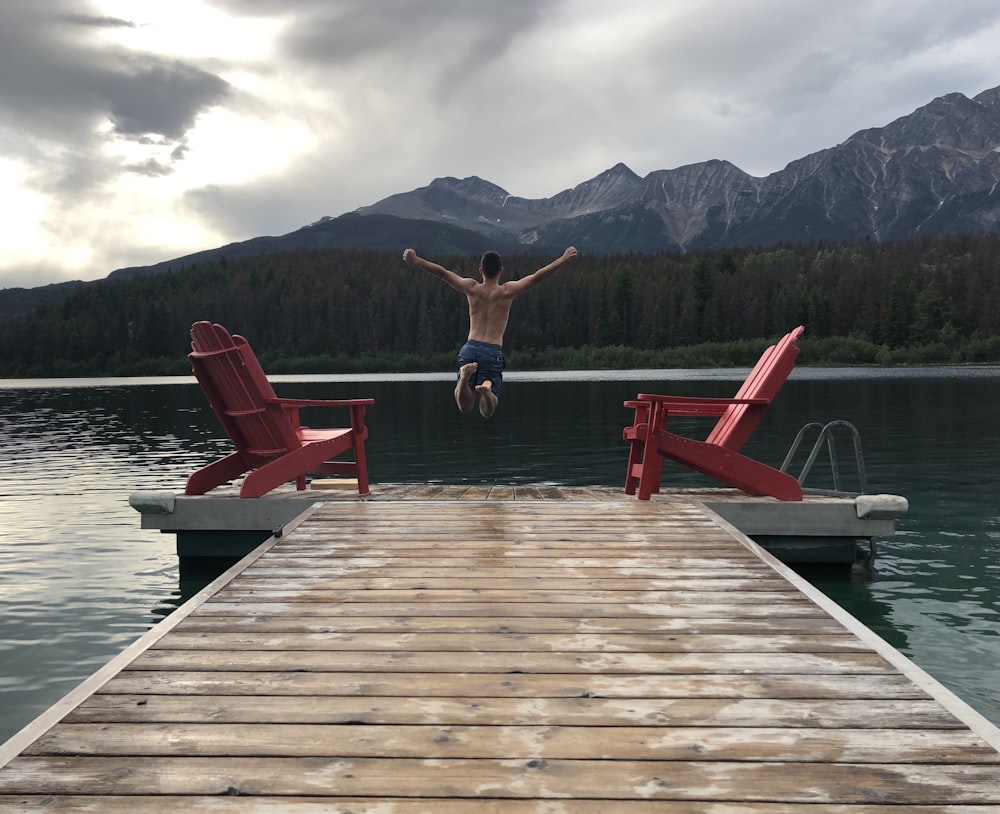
x=491, y=264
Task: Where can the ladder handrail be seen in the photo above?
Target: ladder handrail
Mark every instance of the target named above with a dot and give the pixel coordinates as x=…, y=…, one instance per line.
x=826, y=434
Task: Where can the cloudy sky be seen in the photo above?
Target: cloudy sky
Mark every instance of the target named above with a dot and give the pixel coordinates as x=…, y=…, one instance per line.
x=134, y=131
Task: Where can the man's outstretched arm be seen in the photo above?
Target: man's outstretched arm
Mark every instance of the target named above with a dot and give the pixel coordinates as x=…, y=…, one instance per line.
x=456, y=281
x=517, y=287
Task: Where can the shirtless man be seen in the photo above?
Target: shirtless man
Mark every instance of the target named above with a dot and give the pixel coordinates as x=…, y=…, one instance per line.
x=481, y=362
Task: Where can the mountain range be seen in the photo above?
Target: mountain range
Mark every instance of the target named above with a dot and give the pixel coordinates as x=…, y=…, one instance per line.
x=934, y=172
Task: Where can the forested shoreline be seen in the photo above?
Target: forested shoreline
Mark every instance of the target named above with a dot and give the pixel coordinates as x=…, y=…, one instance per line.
x=346, y=311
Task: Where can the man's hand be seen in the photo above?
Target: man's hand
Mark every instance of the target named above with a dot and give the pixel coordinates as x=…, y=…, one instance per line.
x=409, y=256
x=569, y=254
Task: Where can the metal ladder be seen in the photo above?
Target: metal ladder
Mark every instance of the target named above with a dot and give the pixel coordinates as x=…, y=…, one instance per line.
x=825, y=436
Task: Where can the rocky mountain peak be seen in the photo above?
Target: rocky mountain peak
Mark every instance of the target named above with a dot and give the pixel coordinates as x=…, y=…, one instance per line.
x=989, y=99
x=472, y=187
x=952, y=121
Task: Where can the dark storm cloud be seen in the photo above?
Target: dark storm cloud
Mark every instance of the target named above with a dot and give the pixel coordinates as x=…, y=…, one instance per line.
x=61, y=83
x=98, y=22
x=432, y=36
x=405, y=29
x=149, y=95
x=150, y=167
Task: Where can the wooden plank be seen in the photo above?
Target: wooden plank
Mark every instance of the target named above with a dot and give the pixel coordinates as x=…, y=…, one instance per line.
x=423, y=522
x=737, y=598
x=521, y=661
x=518, y=512
x=235, y=804
x=521, y=513
x=424, y=492
x=600, y=493
x=399, y=536
x=417, y=699
x=727, y=689
x=476, y=520
x=610, y=739
x=474, y=493
x=505, y=642
x=387, y=567
x=494, y=569
x=521, y=778
x=553, y=552
x=689, y=608
x=444, y=565
x=333, y=622
x=520, y=583
x=393, y=575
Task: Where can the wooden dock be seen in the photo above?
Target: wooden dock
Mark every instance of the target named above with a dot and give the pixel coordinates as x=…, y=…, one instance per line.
x=509, y=656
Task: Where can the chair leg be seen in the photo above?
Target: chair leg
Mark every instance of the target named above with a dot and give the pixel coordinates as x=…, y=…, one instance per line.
x=215, y=474
x=731, y=468
x=651, y=472
x=274, y=473
x=636, y=436
x=645, y=463
x=311, y=458
x=631, y=480
x=361, y=463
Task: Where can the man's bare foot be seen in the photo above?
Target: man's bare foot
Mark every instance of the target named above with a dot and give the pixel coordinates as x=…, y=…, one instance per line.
x=487, y=399
x=465, y=397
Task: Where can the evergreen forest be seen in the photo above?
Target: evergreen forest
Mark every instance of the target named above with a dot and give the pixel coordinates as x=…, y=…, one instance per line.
x=343, y=311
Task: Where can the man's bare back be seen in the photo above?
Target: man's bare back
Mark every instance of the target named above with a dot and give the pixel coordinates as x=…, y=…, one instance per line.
x=489, y=309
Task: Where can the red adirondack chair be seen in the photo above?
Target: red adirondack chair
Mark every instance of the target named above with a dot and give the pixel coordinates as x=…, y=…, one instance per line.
x=271, y=445
x=718, y=456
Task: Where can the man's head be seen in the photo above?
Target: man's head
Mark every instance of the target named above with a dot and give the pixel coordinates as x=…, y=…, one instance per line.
x=491, y=265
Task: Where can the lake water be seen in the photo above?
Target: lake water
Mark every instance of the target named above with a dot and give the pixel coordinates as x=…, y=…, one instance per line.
x=79, y=579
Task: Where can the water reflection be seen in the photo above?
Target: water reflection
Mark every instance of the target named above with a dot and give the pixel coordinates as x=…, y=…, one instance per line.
x=852, y=589
x=191, y=577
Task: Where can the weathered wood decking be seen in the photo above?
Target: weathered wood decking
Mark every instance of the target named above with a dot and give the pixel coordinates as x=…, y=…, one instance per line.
x=492, y=655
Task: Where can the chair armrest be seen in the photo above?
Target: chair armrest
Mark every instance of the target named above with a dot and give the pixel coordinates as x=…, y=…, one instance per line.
x=297, y=403
x=698, y=399
x=688, y=405
x=662, y=406
x=356, y=406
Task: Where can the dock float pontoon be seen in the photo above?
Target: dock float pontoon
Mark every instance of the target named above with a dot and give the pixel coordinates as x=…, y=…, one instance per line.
x=825, y=528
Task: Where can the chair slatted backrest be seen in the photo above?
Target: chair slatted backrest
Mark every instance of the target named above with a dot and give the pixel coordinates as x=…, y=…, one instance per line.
x=238, y=392
x=737, y=423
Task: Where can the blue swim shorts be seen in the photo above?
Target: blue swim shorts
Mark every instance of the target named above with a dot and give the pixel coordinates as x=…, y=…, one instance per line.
x=491, y=363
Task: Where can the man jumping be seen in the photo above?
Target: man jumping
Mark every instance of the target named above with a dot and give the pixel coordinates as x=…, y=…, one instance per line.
x=480, y=361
